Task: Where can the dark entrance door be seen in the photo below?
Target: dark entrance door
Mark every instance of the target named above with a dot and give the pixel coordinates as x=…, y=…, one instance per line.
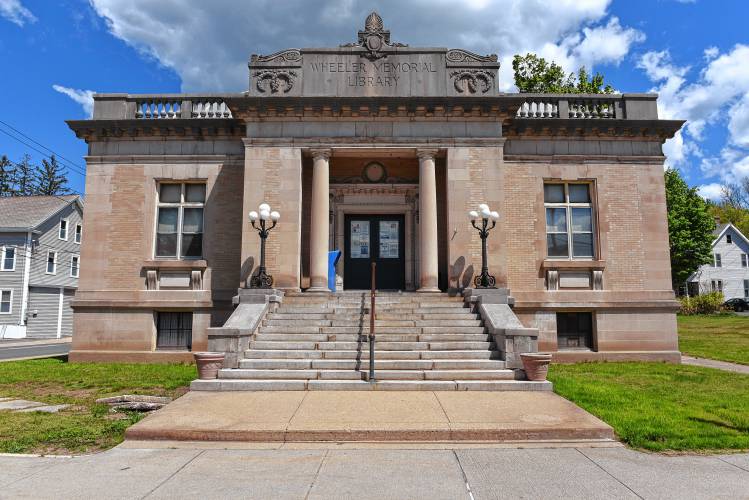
x=379, y=238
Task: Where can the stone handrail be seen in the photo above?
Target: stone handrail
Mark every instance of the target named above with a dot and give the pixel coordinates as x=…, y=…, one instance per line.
x=589, y=106
x=159, y=107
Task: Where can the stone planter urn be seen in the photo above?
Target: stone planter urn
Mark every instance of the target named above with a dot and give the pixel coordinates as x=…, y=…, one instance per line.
x=209, y=363
x=536, y=366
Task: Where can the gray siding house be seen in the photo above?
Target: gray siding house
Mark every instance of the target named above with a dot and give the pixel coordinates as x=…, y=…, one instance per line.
x=40, y=240
x=729, y=271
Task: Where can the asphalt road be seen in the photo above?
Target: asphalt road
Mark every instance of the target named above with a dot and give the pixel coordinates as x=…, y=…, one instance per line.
x=15, y=351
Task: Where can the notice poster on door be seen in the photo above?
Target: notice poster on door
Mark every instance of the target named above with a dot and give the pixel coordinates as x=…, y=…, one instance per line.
x=389, y=235
x=359, y=239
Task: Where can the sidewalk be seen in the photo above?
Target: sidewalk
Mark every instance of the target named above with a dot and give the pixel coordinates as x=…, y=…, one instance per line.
x=712, y=363
x=362, y=474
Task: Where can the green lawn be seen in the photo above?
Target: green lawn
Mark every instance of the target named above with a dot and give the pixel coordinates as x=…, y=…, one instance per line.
x=718, y=336
x=85, y=426
x=658, y=406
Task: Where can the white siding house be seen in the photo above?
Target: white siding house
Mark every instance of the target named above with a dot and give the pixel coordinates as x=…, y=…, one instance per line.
x=729, y=271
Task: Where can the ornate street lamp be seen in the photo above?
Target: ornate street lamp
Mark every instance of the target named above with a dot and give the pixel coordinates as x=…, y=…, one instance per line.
x=484, y=215
x=263, y=279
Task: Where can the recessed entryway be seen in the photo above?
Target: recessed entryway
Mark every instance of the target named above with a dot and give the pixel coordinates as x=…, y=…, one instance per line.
x=374, y=238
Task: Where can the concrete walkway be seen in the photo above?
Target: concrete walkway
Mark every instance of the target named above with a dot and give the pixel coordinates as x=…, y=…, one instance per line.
x=711, y=363
x=354, y=416
x=404, y=473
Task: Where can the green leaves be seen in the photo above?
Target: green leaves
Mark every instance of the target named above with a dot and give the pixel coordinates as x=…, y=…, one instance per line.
x=535, y=75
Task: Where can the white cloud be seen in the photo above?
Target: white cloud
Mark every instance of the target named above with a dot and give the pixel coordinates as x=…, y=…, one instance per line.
x=712, y=191
x=711, y=53
x=83, y=97
x=208, y=43
x=15, y=12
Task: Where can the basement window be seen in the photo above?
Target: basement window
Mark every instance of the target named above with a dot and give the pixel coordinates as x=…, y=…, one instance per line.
x=174, y=331
x=575, y=330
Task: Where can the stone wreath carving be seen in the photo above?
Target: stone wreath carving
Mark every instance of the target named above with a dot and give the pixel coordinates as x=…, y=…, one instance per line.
x=288, y=55
x=460, y=55
x=275, y=80
x=473, y=80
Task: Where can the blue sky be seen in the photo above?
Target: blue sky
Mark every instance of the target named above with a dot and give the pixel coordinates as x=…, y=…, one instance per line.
x=695, y=53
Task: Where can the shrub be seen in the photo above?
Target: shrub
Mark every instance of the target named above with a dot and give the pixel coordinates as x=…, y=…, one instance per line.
x=708, y=303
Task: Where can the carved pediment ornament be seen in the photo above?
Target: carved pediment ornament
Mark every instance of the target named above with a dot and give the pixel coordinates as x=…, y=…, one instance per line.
x=275, y=80
x=374, y=38
x=472, y=81
x=464, y=56
x=288, y=55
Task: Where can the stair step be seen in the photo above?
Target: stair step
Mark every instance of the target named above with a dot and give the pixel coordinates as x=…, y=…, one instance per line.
x=380, y=345
x=380, y=337
x=364, y=354
x=360, y=385
x=294, y=323
x=261, y=374
x=442, y=375
x=355, y=330
x=458, y=314
x=383, y=364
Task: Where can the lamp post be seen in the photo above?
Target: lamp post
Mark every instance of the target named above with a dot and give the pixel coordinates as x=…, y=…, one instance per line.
x=480, y=220
x=260, y=222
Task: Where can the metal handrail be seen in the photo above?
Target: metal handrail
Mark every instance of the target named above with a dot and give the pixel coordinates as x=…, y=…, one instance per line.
x=372, y=326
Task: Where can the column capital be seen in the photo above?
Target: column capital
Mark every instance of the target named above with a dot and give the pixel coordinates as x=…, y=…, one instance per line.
x=427, y=153
x=321, y=153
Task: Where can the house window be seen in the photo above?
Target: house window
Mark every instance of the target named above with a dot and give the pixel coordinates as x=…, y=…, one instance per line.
x=569, y=221
x=575, y=330
x=729, y=240
x=743, y=260
x=63, y=229
x=8, y=262
x=174, y=330
x=75, y=264
x=717, y=261
x=179, y=226
x=78, y=233
x=51, y=262
x=746, y=289
x=717, y=286
x=6, y=301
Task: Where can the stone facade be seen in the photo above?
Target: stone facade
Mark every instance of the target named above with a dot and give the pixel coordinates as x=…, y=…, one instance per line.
x=303, y=138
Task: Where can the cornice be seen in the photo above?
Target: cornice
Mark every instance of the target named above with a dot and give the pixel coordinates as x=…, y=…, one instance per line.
x=585, y=127
x=186, y=128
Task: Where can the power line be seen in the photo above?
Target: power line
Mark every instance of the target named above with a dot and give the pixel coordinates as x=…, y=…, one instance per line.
x=42, y=145
x=69, y=168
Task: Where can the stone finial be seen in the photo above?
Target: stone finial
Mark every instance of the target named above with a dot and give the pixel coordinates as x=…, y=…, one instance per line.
x=374, y=23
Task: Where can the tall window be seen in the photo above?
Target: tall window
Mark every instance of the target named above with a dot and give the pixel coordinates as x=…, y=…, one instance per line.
x=717, y=261
x=78, y=233
x=717, y=285
x=569, y=221
x=6, y=301
x=575, y=330
x=729, y=239
x=179, y=228
x=174, y=330
x=75, y=264
x=51, y=262
x=746, y=289
x=8, y=256
x=64, y=229
x=743, y=260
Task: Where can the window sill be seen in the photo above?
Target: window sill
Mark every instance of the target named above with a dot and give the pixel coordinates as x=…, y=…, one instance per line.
x=573, y=264
x=175, y=264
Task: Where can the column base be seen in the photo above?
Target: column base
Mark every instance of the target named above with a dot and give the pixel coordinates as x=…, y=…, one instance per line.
x=318, y=290
x=429, y=290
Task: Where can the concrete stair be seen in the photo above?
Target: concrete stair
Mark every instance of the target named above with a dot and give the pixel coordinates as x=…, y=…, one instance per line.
x=430, y=342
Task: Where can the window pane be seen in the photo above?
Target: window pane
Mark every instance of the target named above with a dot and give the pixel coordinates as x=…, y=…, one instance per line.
x=554, y=193
x=10, y=255
x=582, y=245
x=166, y=245
x=192, y=220
x=63, y=229
x=5, y=301
x=167, y=220
x=579, y=193
x=195, y=193
x=192, y=245
x=581, y=220
x=556, y=220
x=170, y=193
x=556, y=245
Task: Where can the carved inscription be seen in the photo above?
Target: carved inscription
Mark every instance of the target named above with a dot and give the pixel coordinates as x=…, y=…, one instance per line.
x=374, y=73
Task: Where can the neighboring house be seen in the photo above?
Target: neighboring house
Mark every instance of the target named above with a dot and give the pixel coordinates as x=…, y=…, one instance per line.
x=40, y=240
x=729, y=271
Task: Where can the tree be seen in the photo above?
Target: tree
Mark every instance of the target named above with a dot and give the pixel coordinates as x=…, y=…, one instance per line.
x=6, y=176
x=51, y=179
x=535, y=74
x=24, y=179
x=690, y=228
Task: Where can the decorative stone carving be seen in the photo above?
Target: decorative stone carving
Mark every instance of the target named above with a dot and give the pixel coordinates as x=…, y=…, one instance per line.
x=374, y=38
x=288, y=55
x=196, y=280
x=152, y=281
x=275, y=80
x=472, y=81
x=552, y=279
x=464, y=56
x=597, y=279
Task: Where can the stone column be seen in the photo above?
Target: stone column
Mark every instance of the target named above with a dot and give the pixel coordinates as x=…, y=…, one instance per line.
x=320, y=227
x=428, y=265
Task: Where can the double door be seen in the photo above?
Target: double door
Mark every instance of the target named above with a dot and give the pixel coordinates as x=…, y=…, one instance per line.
x=379, y=239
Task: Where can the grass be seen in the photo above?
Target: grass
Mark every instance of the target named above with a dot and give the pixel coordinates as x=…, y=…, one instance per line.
x=723, y=337
x=662, y=407
x=85, y=426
